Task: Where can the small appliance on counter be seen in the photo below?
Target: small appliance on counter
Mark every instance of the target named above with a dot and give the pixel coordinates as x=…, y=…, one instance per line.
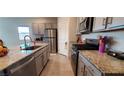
x=116, y=54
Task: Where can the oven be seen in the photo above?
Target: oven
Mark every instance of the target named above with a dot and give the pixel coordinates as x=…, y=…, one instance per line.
x=91, y=44
x=74, y=60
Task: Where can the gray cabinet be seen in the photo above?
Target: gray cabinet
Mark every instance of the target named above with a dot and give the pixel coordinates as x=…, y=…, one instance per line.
x=87, y=72
x=41, y=28
x=46, y=54
x=39, y=63
x=35, y=28
x=107, y=23
x=31, y=65
x=115, y=22
x=81, y=68
x=51, y=25
x=26, y=67
x=41, y=59
x=99, y=24
x=48, y=25
x=38, y=28
x=86, y=68
x=54, y=25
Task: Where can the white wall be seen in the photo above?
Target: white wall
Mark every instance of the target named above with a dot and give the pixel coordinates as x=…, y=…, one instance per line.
x=8, y=27
x=67, y=27
x=63, y=28
x=72, y=32
x=118, y=38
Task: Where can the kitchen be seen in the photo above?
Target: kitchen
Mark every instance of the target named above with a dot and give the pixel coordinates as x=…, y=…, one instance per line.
x=62, y=46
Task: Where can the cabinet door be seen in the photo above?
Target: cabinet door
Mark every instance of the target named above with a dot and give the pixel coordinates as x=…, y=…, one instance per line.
x=99, y=24
x=45, y=57
x=54, y=25
x=48, y=25
x=87, y=72
x=39, y=63
x=41, y=28
x=35, y=28
x=81, y=68
x=115, y=22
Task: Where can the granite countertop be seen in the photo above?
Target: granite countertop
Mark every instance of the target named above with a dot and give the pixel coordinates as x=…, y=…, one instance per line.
x=15, y=54
x=105, y=63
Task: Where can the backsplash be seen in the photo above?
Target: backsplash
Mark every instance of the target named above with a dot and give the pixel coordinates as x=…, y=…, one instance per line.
x=118, y=38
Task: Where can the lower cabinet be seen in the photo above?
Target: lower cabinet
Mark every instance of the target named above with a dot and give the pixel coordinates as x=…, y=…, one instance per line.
x=87, y=72
x=31, y=65
x=81, y=68
x=85, y=68
x=39, y=63
x=41, y=59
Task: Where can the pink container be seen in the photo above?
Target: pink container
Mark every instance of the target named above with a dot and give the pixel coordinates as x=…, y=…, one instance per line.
x=102, y=44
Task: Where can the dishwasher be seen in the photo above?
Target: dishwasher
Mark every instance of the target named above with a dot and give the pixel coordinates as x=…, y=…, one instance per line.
x=27, y=68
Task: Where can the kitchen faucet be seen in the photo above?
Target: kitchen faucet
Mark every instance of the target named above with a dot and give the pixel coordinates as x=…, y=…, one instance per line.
x=25, y=40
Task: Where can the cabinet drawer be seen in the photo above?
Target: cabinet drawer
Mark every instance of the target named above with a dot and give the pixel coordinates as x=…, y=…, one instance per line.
x=90, y=66
x=39, y=52
x=94, y=70
x=88, y=72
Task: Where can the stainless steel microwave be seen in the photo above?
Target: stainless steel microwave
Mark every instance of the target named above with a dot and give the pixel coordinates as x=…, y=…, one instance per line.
x=86, y=24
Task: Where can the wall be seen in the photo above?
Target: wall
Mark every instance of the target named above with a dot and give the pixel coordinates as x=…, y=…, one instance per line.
x=72, y=32
x=118, y=38
x=63, y=28
x=67, y=27
x=8, y=27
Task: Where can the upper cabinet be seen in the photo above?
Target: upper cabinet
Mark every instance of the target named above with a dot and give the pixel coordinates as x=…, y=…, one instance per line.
x=99, y=23
x=39, y=28
x=107, y=23
x=115, y=22
x=54, y=25
x=48, y=25
x=35, y=28
x=51, y=25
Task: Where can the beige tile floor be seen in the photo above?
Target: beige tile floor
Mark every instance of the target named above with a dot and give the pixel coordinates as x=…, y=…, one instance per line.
x=58, y=65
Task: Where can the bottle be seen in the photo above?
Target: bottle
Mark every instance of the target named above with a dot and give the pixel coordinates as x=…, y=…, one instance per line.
x=102, y=41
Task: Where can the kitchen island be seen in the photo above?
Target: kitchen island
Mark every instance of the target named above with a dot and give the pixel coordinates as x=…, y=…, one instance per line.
x=10, y=63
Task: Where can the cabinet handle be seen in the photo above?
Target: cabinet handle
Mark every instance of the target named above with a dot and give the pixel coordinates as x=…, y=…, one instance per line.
x=90, y=69
x=104, y=21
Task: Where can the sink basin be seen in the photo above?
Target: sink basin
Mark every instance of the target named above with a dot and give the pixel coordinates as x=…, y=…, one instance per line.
x=31, y=48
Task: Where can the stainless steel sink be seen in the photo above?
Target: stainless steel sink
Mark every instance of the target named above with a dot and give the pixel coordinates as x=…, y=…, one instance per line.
x=31, y=48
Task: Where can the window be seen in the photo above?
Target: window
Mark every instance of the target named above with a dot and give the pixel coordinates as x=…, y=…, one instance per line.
x=23, y=31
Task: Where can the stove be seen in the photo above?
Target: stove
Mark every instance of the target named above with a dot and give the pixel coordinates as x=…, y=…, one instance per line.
x=91, y=44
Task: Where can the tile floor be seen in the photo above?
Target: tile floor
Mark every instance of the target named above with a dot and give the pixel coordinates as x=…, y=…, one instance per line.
x=58, y=65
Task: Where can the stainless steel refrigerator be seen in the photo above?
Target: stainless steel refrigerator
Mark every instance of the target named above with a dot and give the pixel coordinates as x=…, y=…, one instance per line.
x=50, y=36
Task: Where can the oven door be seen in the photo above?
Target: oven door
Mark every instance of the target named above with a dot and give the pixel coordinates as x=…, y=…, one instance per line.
x=74, y=60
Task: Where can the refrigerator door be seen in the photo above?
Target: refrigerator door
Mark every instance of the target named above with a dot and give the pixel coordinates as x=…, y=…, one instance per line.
x=50, y=36
x=53, y=45
x=53, y=33
x=47, y=33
